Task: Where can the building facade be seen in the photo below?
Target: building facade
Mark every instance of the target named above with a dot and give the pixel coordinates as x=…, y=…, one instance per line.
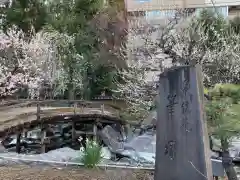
x=164, y=8
x=149, y=5
x=144, y=14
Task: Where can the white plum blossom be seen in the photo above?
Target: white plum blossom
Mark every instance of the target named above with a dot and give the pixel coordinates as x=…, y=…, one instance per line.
x=152, y=48
x=138, y=86
x=24, y=63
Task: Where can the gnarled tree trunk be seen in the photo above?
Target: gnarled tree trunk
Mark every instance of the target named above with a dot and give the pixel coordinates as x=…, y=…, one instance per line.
x=227, y=161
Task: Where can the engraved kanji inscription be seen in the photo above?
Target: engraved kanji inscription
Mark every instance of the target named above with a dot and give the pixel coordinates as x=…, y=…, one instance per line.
x=171, y=103
x=170, y=149
x=186, y=87
x=185, y=106
x=186, y=124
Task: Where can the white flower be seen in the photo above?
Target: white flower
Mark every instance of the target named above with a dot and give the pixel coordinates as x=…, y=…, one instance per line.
x=82, y=149
x=80, y=139
x=87, y=141
x=94, y=143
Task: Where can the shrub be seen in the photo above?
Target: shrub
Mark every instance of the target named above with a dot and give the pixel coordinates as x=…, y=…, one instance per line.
x=205, y=90
x=92, y=154
x=222, y=91
x=222, y=121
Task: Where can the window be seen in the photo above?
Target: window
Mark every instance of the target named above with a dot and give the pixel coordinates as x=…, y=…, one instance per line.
x=221, y=10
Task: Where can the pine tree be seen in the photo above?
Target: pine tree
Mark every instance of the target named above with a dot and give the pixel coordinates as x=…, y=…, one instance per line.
x=30, y=16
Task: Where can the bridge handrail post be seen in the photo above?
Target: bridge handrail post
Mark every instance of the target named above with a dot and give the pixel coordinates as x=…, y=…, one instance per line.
x=73, y=124
x=102, y=108
x=43, y=128
x=75, y=108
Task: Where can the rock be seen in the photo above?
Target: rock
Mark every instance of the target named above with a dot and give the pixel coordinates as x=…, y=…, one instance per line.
x=106, y=154
x=111, y=138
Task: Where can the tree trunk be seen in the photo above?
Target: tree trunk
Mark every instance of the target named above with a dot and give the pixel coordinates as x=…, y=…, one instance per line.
x=87, y=89
x=227, y=161
x=210, y=143
x=71, y=94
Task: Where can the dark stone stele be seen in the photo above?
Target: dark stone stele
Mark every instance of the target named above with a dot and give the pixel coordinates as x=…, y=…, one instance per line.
x=182, y=150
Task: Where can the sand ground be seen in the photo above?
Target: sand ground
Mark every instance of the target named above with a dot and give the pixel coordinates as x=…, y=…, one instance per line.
x=49, y=173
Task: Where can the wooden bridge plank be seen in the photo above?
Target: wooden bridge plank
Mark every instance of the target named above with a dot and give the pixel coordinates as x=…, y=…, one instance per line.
x=14, y=117
x=22, y=113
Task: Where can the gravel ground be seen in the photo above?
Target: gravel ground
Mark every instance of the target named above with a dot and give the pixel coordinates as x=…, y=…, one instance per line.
x=49, y=173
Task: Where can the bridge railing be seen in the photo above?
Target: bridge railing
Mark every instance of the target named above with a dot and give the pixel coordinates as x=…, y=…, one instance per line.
x=101, y=104
x=25, y=114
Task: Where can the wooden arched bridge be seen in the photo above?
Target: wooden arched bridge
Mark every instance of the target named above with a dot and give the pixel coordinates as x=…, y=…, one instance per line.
x=20, y=116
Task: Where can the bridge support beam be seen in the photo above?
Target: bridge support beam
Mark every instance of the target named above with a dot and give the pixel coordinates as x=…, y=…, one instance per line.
x=74, y=126
x=73, y=133
x=43, y=137
x=18, y=144
x=25, y=133
x=95, y=132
